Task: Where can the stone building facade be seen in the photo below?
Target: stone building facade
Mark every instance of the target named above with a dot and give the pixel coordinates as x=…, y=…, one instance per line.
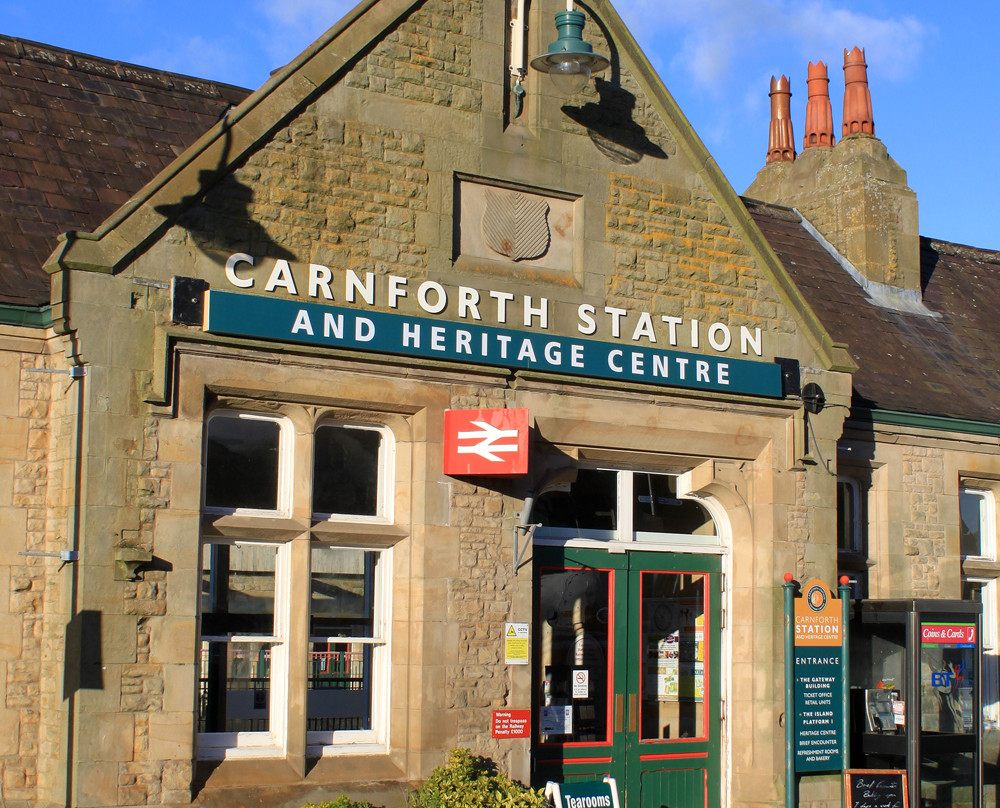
x=226, y=427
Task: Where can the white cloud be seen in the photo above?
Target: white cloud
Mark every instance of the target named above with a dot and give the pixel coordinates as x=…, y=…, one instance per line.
x=896, y=43
x=313, y=15
x=716, y=42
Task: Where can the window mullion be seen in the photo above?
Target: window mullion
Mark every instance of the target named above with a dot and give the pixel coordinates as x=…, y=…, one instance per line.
x=296, y=633
x=625, y=528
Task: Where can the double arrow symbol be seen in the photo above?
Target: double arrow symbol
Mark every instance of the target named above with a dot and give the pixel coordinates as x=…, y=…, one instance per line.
x=488, y=448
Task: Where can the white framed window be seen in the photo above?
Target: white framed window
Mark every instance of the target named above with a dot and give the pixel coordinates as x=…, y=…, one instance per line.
x=351, y=473
x=978, y=542
x=247, y=464
x=852, y=534
x=348, y=659
x=849, y=521
x=623, y=506
x=242, y=652
x=978, y=523
x=249, y=668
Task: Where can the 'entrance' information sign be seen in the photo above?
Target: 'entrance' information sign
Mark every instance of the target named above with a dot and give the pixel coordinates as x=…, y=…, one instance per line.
x=819, y=708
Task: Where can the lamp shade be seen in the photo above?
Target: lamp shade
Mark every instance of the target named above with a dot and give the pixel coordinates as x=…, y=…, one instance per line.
x=569, y=60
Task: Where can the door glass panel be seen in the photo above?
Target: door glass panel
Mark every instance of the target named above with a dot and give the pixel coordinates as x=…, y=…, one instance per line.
x=673, y=656
x=574, y=608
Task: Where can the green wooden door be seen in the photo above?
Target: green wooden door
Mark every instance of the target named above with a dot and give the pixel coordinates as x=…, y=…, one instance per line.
x=627, y=672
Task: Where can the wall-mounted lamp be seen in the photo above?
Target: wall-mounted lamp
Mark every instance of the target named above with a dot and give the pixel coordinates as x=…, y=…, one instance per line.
x=569, y=61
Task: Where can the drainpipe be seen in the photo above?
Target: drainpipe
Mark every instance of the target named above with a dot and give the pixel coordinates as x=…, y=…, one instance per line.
x=78, y=373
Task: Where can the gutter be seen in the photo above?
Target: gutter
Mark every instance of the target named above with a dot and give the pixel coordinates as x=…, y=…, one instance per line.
x=26, y=316
x=922, y=421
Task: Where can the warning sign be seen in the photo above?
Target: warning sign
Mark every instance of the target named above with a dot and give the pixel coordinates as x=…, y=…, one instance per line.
x=515, y=643
x=511, y=723
x=581, y=684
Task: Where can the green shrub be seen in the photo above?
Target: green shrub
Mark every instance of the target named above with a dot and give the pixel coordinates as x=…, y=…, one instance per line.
x=466, y=781
x=343, y=801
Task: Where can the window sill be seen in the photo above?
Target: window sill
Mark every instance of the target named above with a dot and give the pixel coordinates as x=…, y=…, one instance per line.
x=980, y=567
x=344, y=750
x=235, y=526
x=240, y=752
x=250, y=775
x=368, y=534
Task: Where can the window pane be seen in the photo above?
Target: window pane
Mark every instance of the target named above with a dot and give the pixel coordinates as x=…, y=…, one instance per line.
x=237, y=589
x=970, y=505
x=574, y=606
x=673, y=643
x=658, y=510
x=234, y=687
x=340, y=687
x=241, y=468
x=847, y=517
x=342, y=603
x=343, y=593
x=346, y=473
x=589, y=503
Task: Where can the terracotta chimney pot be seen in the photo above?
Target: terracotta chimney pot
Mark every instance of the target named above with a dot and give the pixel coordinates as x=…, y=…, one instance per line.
x=781, y=140
x=858, y=117
x=819, y=113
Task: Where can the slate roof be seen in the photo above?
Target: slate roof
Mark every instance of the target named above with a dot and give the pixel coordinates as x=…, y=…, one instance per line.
x=944, y=366
x=79, y=135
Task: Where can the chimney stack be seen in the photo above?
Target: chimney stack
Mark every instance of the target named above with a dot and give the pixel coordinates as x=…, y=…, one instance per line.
x=858, y=119
x=781, y=141
x=852, y=192
x=819, y=113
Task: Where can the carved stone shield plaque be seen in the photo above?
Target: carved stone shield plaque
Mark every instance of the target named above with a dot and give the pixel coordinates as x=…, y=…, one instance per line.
x=516, y=225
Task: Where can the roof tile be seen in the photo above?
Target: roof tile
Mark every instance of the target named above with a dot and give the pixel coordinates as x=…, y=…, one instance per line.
x=79, y=135
x=941, y=365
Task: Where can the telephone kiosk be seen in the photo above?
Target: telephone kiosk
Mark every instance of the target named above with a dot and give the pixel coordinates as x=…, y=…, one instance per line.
x=915, y=696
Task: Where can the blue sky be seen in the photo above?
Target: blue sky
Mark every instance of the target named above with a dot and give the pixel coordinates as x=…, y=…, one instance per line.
x=932, y=72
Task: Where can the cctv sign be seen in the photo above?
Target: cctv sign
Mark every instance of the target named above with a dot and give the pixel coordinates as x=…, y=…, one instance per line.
x=486, y=442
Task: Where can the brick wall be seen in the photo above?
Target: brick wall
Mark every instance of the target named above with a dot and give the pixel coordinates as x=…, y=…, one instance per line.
x=340, y=193
x=676, y=255
x=923, y=529
x=29, y=485
x=428, y=58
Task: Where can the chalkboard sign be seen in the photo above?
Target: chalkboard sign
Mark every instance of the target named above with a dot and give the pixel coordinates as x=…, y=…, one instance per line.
x=876, y=788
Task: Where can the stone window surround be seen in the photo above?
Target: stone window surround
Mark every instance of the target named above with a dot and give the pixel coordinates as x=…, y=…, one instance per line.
x=205, y=374
x=295, y=444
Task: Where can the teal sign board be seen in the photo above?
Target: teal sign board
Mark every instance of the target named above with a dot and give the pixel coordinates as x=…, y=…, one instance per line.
x=338, y=327
x=818, y=709
x=584, y=794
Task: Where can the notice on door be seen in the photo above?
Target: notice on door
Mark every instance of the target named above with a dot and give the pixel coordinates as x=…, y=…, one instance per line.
x=515, y=643
x=556, y=720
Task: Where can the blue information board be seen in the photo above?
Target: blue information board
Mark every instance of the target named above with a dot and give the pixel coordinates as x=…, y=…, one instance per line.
x=318, y=324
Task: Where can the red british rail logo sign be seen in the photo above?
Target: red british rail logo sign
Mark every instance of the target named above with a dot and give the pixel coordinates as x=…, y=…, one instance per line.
x=486, y=442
